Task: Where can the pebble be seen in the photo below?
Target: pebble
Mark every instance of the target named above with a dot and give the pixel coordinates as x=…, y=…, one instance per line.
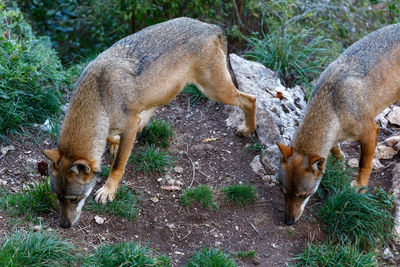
x=98, y=219
x=178, y=169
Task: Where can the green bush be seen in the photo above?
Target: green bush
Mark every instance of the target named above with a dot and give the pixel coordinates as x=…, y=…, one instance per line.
x=125, y=254
x=31, y=75
x=34, y=200
x=211, y=257
x=240, y=195
x=195, y=95
x=334, y=254
x=202, y=194
x=124, y=205
x=36, y=249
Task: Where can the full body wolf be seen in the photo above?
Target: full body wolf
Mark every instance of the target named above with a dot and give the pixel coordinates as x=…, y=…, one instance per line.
x=349, y=94
x=119, y=91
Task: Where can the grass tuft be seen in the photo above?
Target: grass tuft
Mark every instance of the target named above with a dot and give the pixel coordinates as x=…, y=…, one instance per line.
x=151, y=160
x=246, y=254
x=124, y=204
x=34, y=200
x=36, y=249
x=158, y=132
x=334, y=254
x=240, y=195
x=211, y=257
x=125, y=254
x=360, y=218
x=202, y=194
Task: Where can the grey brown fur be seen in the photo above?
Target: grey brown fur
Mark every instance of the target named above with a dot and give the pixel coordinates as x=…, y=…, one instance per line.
x=349, y=94
x=119, y=91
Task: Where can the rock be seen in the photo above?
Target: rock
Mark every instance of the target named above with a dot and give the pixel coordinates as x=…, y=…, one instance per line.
x=5, y=150
x=387, y=254
x=393, y=141
x=395, y=190
x=36, y=228
x=154, y=199
x=257, y=166
x=381, y=118
x=377, y=165
x=353, y=163
x=171, y=225
x=279, y=109
x=46, y=126
x=394, y=115
x=99, y=220
x=160, y=180
x=178, y=170
x=384, y=152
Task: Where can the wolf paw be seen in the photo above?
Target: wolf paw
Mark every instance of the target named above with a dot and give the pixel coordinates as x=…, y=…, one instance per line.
x=359, y=188
x=243, y=131
x=105, y=194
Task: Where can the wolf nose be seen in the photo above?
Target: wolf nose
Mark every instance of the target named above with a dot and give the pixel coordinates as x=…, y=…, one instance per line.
x=65, y=225
x=289, y=220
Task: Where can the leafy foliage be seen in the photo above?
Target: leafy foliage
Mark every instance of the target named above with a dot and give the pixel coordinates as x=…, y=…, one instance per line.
x=36, y=249
x=202, y=194
x=195, y=95
x=31, y=75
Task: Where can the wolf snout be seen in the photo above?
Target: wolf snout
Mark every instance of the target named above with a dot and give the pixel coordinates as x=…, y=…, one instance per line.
x=65, y=224
x=289, y=220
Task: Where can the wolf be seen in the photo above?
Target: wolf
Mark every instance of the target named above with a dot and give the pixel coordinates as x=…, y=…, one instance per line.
x=120, y=90
x=349, y=94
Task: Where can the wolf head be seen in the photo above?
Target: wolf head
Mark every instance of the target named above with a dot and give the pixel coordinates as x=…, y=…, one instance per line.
x=71, y=181
x=299, y=177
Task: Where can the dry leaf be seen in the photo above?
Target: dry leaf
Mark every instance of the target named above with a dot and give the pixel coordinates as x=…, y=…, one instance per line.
x=211, y=139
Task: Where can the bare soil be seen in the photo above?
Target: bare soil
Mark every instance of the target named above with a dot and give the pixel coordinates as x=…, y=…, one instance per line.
x=166, y=225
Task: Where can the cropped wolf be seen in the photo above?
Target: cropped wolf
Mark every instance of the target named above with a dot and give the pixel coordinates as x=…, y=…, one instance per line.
x=119, y=91
x=349, y=94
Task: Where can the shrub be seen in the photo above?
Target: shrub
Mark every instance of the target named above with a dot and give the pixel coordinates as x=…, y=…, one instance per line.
x=202, y=194
x=31, y=75
x=158, y=132
x=125, y=254
x=334, y=254
x=36, y=249
x=195, y=95
x=35, y=199
x=124, y=204
x=240, y=195
x=151, y=160
x=211, y=257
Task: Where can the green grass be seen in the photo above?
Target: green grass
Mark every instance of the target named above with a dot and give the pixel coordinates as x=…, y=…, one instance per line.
x=239, y=194
x=202, y=194
x=125, y=254
x=124, y=205
x=195, y=95
x=256, y=146
x=31, y=75
x=158, y=132
x=151, y=159
x=334, y=254
x=360, y=218
x=335, y=178
x=36, y=249
x=290, y=51
x=104, y=171
x=211, y=257
x=246, y=254
x=34, y=200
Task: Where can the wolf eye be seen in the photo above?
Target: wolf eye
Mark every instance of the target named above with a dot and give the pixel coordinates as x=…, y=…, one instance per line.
x=303, y=196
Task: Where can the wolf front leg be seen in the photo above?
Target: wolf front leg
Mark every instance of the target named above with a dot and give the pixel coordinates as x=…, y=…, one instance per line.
x=368, y=144
x=107, y=192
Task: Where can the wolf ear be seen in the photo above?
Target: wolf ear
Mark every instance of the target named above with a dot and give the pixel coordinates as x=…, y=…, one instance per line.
x=317, y=163
x=286, y=151
x=53, y=155
x=80, y=165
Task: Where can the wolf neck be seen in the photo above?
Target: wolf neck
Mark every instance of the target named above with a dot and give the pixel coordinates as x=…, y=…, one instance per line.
x=85, y=128
x=319, y=130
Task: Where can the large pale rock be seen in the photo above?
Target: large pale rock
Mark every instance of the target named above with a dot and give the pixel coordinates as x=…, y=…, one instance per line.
x=279, y=109
x=396, y=193
x=394, y=115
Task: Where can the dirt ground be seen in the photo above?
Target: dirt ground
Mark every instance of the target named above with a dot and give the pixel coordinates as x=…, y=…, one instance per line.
x=179, y=231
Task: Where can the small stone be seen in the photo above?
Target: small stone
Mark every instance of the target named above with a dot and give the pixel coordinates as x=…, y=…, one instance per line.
x=353, y=163
x=27, y=152
x=154, y=199
x=5, y=150
x=36, y=228
x=159, y=180
x=274, y=245
x=171, y=225
x=387, y=254
x=178, y=169
x=384, y=152
x=179, y=253
x=3, y=182
x=98, y=219
x=218, y=243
